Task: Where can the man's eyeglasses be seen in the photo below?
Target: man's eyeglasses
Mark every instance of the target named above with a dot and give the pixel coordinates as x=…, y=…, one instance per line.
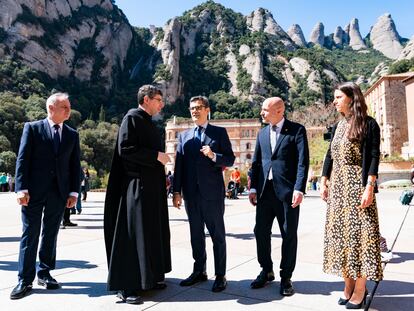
x=196, y=108
x=158, y=99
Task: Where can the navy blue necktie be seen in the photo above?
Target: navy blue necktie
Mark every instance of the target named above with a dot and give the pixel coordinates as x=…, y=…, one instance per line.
x=197, y=138
x=56, y=138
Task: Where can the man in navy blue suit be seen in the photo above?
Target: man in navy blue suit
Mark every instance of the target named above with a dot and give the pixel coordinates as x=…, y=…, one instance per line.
x=202, y=153
x=278, y=181
x=47, y=182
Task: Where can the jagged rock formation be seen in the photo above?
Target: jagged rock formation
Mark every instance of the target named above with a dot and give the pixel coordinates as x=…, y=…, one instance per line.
x=408, y=51
x=262, y=20
x=378, y=72
x=317, y=35
x=83, y=44
x=232, y=73
x=296, y=34
x=340, y=36
x=300, y=66
x=355, y=39
x=169, y=47
x=254, y=66
x=385, y=38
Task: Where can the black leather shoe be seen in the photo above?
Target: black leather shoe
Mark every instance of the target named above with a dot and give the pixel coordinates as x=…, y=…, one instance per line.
x=219, y=284
x=160, y=285
x=48, y=282
x=69, y=224
x=194, y=278
x=73, y=211
x=262, y=279
x=286, y=287
x=130, y=297
x=20, y=290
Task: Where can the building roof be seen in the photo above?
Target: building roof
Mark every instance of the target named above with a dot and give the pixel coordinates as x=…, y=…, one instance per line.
x=408, y=80
x=397, y=76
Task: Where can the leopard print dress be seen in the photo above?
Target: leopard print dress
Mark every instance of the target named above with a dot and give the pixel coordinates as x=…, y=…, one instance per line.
x=351, y=243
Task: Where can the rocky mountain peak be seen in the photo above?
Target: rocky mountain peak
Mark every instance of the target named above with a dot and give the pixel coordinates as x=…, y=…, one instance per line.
x=355, y=38
x=340, y=37
x=408, y=51
x=317, y=35
x=64, y=38
x=385, y=38
x=262, y=20
x=296, y=34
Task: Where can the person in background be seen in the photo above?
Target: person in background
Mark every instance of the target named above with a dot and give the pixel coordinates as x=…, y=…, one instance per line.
x=3, y=182
x=348, y=185
x=85, y=183
x=235, y=177
x=78, y=207
x=10, y=181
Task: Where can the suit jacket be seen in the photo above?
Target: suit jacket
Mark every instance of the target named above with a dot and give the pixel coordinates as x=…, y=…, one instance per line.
x=289, y=161
x=192, y=168
x=37, y=166
x=370, y=150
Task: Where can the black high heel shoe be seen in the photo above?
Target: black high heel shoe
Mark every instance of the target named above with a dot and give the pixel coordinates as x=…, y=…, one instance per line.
x=342, y=301
x=350, y=305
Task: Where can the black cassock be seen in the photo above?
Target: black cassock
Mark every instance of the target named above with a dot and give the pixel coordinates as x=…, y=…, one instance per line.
x=137, y=233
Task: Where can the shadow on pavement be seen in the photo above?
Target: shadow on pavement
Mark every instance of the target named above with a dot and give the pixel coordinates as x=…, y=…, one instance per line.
x=60, y=264
x=402, y=257
x=10, y=239
x=8, y=265
x=91, y=289
x=247, y=236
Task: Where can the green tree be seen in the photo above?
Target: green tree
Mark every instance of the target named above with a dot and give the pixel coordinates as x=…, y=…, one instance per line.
x=12, y=118
x=8, y=162
x=97, y=145
x=4, y=144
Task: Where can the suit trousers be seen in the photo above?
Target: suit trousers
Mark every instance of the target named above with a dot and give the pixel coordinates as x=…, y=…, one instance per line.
x=209, y=212
x=269, y=207
x=51, y=207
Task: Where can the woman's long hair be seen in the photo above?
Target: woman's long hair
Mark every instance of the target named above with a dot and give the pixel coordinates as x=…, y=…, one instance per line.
x=358, y=109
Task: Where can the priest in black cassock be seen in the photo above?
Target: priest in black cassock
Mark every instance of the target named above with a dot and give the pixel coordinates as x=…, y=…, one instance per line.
x=137, y=233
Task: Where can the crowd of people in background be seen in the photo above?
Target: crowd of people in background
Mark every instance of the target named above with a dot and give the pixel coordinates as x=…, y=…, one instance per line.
x=6, y=182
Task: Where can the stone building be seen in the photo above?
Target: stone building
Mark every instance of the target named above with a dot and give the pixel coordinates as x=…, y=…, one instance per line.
x=242, y=134
x=386, y=100
x=407, y=150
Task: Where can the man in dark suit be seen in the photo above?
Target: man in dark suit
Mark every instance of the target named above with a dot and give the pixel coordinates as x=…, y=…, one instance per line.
x=202, y=153
x=47, y=182
x=279, y=174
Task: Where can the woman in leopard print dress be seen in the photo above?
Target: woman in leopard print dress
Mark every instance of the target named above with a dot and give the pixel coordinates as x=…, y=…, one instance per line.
x=351, y=244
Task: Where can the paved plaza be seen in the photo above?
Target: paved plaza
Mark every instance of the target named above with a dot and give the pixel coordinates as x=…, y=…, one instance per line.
x=81, y=263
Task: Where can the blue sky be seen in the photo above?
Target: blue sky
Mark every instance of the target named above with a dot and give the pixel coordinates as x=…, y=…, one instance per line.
x=306, y=13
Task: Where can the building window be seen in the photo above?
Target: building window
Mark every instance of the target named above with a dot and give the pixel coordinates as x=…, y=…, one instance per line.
x=169, y=136
x=248, y=156
x=253, y=133
x=248, y=146
x=175, y=135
